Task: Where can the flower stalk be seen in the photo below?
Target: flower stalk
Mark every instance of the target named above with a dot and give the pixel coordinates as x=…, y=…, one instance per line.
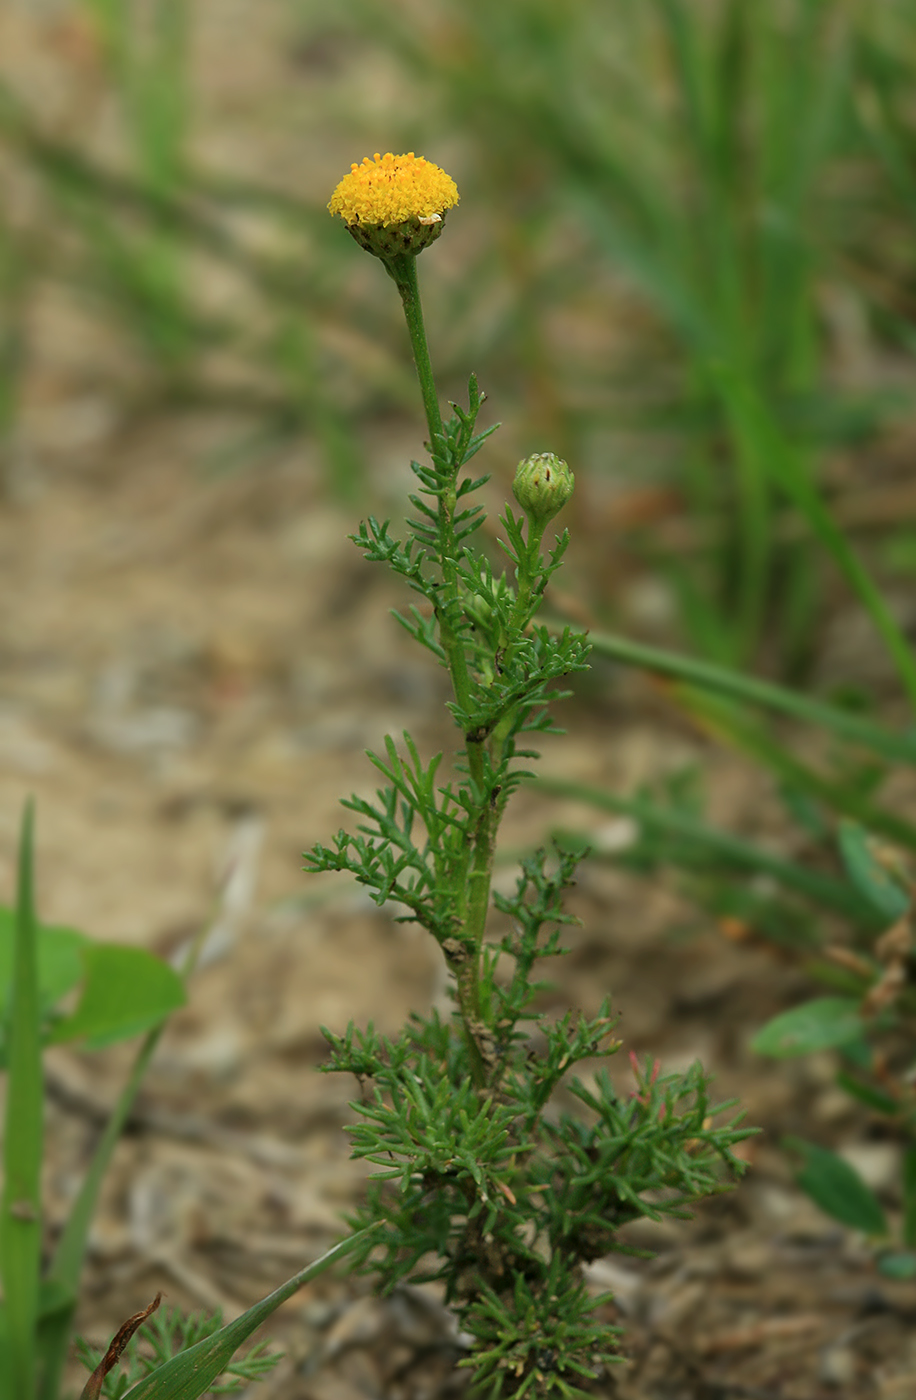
x=403, y=271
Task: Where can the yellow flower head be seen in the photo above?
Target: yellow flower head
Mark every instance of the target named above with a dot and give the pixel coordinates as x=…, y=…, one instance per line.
x=394, y=204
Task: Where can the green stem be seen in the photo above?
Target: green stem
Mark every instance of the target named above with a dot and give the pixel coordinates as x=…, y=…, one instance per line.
x=528, y=570
x=403, y=270
x=478, y=869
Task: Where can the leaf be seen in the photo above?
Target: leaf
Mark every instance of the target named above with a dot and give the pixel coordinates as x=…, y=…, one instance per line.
x=127, y=990
x=838, y=1188
x=870, y=878
x=866, y=1093
x=93, y=1387
x=59, y=964
x=66, y=1264
x=20, y=1205
x=53, y=1298
x=191, y=1373
x=820, y=1024
x=909, y=1196
x=890, y=744
x=901, y=1266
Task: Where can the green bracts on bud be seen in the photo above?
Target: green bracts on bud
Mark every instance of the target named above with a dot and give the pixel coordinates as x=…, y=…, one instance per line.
x=542, y=486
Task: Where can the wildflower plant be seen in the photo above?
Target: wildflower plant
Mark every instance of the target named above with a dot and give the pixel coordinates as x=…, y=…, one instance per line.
x=488, y=1181
x=499, y=1174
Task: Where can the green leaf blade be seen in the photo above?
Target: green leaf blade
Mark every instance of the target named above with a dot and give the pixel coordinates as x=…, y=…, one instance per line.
x=192, y=1373
x=126, y=991
x=870, y=878
x=821, y=1024
x=20, y=1205
x=838, y=1189
x=909, y=1197
x=59, y=965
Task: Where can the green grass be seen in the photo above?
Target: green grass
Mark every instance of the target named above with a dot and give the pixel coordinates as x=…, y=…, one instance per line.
x=20, y=1204
x=130, y=235
x=724, y=164
x=696, y=154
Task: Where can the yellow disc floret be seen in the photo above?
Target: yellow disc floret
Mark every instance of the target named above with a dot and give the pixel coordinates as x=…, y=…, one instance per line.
x=391, y=189
x=394, y=204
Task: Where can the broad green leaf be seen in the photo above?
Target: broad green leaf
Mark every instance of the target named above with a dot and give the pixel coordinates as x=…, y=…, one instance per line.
x=127, y=990
x=872, y=881
x=838, y=1188
x=820, y=1024
x=59, y=964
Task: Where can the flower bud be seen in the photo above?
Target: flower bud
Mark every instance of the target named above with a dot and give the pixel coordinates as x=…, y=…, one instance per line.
x=542, y=486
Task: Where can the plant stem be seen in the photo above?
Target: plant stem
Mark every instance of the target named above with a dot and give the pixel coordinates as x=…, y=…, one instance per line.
x=403, y=270
x=476, y=875
x=527, y=573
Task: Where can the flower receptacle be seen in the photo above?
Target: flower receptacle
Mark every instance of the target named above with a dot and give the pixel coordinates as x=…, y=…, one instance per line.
x=397, y=240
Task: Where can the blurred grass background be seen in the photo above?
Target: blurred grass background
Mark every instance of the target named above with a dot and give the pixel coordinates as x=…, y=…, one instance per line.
x=684, y=259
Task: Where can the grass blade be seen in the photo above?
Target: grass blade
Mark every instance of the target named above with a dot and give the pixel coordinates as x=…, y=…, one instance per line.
x=790, y=476
x=67, y=1263
x=822, y=889
x=20, y=1206
x=721, y=680
x=64, y=1273
x=192, y=1372
x=841, y=798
